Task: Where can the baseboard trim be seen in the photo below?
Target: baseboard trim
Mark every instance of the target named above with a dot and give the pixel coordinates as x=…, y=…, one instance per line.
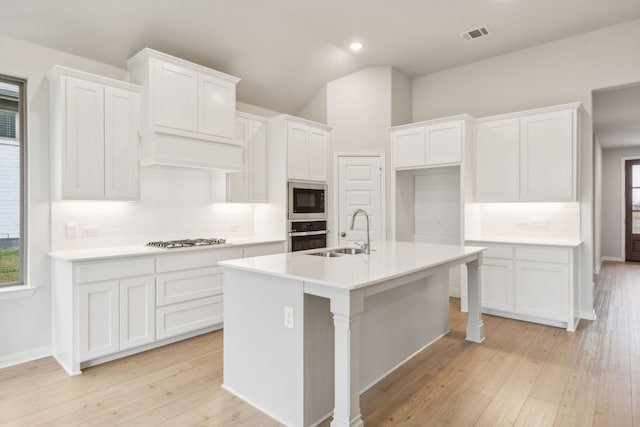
x=25, y=356
x=597, y=270
x=588, y=315
x=612, y=259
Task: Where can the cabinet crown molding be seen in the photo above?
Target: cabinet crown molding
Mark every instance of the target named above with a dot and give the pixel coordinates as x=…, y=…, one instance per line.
x=571, y=106
x=289, y=118
x=59, y=71
x=147, y=53
x=449, y=119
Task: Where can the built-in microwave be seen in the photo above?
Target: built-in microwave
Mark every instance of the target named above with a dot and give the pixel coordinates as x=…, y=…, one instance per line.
x=307, y=200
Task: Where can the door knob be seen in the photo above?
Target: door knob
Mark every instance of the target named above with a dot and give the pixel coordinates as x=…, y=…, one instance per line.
x=343, y=234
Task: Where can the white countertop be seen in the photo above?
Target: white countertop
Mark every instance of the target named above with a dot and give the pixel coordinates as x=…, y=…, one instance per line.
x=569, y=243
x=137, y=250
x=387, y=260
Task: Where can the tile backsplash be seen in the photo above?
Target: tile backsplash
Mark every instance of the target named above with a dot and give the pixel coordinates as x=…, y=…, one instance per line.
x=174, y=204
x=523, y=220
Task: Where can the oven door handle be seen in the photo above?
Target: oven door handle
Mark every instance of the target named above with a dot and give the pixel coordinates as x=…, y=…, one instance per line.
x=307, y=233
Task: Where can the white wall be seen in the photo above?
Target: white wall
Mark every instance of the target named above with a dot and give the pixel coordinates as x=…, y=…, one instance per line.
x=361, y=107
x=25, y=322
x=554, y=73
x=597, y=204
x=316, y=108
x=612, y=200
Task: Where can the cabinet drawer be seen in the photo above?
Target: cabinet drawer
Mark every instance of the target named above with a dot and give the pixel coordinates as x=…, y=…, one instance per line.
x=266, y=249
x=187, y=317
x=107, y=270
x=196, y=259
x=544, y=254
x=187, y=285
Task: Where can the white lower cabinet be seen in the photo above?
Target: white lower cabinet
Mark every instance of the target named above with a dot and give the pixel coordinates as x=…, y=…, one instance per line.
x=105, y=309
x=497, y=284
x=98, y=322
x=530, y=282
x=189, y=316
x=541, y=289
x=137, y=312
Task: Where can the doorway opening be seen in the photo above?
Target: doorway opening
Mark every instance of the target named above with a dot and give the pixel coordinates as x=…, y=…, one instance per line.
x=632, y=210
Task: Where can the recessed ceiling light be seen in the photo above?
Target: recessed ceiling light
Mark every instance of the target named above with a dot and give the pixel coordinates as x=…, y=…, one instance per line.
x=356, y=46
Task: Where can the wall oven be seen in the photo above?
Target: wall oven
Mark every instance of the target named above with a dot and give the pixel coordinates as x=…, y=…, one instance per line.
x=307, y=200
x=305, y=235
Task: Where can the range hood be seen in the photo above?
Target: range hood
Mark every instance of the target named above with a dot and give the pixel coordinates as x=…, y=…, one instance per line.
x=157, y=148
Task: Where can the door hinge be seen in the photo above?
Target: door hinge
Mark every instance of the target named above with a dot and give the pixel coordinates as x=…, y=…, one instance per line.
x=380, y=171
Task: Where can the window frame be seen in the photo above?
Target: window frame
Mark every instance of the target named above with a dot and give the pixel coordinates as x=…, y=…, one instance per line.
x=21, y=129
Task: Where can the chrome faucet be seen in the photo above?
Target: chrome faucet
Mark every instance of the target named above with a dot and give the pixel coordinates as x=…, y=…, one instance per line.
x=367, y=244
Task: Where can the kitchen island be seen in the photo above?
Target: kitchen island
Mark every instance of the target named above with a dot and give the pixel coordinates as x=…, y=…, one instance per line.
x=304, y=335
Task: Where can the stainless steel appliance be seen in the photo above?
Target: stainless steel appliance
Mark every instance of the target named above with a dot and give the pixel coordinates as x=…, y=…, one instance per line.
x=305, y=235
x=187, y=243
x=307, y=200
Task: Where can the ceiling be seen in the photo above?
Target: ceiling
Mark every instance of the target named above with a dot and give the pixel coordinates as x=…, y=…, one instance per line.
x=616, y=117
x=285, y=51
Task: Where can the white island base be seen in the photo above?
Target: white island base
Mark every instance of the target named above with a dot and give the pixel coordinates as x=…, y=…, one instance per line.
x=304, y=336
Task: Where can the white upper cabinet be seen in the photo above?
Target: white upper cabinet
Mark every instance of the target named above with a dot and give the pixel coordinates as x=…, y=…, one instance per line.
x=94, y=123
x=548, y=160
x=184, y=105
x=432, y=143
x=528, y=157
x=184, y=99
x=250, y=185
x=175, y=96
x=304, y=143
x=497, y=156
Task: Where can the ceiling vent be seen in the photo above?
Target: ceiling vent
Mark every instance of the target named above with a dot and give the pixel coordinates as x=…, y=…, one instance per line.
x=475, y=33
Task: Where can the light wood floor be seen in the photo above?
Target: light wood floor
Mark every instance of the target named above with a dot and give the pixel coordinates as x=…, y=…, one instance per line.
x=523, y=374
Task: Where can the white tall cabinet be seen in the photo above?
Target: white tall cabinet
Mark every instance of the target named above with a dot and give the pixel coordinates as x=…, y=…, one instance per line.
x=529, y=156
x=428, y=183
x=94, y=123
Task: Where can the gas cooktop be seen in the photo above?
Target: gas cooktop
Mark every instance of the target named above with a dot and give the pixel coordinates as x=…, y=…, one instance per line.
x=187, y=243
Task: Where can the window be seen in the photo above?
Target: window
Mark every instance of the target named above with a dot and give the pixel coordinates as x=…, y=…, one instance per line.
x=12, y=181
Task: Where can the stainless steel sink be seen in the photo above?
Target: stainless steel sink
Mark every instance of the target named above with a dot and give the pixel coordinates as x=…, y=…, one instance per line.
x=348, y=251
x=338, y=252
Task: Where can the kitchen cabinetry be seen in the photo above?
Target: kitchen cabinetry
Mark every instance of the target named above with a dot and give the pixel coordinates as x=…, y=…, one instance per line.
x=188, y=112
x=94, y=122
x=431, y=143
x=529, y=156
x=129, y=304
x=305, y=145
x=530, y=282
x=250, y=185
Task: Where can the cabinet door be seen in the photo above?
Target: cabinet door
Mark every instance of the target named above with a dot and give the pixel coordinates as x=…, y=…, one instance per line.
x=547, y=157
x=237, y=182
x=83, y=157
x=175, y=96
x=409, y=148
x=216, y=106
x=137, y=312
x=497, y=161
x=256, y=170
x=497, y=284
x=98, y=319
x=318, y=151
x=541, y=289
x=444, y=143
x=121, y=144
x=297, y=151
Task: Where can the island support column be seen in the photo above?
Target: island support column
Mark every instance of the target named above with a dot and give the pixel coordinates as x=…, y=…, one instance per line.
x=347, y=308
x=475, y=326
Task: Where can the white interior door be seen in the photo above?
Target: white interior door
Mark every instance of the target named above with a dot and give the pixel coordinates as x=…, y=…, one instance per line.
x=360, y=186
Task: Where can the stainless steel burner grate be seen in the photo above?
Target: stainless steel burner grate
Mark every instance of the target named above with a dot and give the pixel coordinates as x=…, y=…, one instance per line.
x=186, y=243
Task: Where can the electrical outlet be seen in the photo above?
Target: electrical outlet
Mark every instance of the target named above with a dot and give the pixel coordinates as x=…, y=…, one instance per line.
x=89, y=231
x=438, y=222
x=288, y=317
x=71, y=229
